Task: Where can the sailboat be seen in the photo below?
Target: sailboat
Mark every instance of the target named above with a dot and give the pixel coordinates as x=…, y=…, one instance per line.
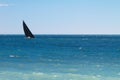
x=27, y=31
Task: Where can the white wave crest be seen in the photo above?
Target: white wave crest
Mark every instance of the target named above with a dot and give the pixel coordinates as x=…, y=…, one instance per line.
x=51, y=76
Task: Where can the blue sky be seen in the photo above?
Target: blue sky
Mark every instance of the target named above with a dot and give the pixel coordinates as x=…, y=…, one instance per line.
x=60, y=16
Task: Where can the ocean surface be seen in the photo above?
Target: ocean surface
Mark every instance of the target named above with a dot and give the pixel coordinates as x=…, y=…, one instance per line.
x=60, y=57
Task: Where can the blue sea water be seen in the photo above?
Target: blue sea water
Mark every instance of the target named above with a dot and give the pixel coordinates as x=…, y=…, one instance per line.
x=60, y=57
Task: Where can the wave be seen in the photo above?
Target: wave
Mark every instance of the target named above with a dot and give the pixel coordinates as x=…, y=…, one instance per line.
x=8, y=75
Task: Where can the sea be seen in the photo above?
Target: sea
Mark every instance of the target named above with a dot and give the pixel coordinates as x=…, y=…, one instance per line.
x=60, y=57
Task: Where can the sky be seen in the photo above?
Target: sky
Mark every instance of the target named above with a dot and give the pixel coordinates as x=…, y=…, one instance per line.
x=60, y=16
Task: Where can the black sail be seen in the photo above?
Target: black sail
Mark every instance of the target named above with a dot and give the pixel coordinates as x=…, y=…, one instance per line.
x=27, y=32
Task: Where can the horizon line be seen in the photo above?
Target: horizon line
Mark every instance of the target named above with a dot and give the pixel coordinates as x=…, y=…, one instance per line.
x=63, y=34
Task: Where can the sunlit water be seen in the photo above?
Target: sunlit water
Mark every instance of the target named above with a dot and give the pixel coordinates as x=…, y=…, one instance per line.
x=60, y=57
